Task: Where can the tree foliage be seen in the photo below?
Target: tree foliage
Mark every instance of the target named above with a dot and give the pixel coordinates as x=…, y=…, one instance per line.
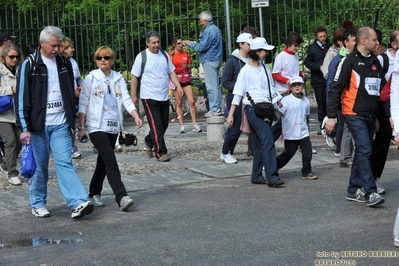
x=122, y=24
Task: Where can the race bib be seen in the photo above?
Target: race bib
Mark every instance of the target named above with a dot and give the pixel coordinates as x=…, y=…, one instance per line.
x=111, y=125
x=55, y=106
x=372, y=86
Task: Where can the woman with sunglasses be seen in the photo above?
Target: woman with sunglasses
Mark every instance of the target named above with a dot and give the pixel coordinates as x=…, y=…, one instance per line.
x=182, y=62
x=102, y=99
x=10, y=60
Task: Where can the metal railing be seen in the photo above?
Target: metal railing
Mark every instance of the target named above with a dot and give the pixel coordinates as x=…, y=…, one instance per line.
x=122, y=24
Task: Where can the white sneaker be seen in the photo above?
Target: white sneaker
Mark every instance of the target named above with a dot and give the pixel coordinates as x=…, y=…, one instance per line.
x=336, y=154
x=97, y=201
x=380, y=190
x=84, y=208
x=15, y=181
x=330, y=142
x=183, y=129
x=396, y=242
x=126, y=203
x=314, y=151
x=196, y=128
x=227, y=158
x=76, y=155
x=41, y=212
x=213, y=113
x=323, y=133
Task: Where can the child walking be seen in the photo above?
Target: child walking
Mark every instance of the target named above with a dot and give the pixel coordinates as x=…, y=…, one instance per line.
x=294, y=110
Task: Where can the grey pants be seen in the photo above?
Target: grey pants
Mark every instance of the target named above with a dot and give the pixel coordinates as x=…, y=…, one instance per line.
x=12, y=145
x=347, y=146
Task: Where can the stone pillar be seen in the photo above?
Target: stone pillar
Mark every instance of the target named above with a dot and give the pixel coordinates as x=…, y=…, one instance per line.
x=216, y=130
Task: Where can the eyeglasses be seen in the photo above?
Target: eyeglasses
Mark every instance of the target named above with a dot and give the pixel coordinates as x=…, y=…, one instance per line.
x=179, y=43
x=12, y=57
x=296, y=84
x=106, y=58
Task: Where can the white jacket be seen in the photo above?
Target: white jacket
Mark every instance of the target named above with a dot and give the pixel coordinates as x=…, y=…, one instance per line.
x=91, y=98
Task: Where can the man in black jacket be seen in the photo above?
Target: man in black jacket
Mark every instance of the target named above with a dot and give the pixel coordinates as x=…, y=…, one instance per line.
x=314, y=60
x=45, y=113
x=357, y=85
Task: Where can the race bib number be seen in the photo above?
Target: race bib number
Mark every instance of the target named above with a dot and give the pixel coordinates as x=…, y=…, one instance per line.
x=372, y=86
x=55, y=106
x=112, y=125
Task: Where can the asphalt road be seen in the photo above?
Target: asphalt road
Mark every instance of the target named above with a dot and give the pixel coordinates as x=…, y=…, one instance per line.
x=208, y=213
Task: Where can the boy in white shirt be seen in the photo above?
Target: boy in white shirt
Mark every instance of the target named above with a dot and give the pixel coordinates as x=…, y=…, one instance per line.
x=294, y=110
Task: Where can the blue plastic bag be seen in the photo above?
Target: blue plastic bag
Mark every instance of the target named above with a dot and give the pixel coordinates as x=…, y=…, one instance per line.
x=6, y=103
x=28, y=162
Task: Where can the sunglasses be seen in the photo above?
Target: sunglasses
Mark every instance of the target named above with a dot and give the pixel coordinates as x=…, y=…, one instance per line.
x=179, y=43
x=106, y=58
x=12, y=57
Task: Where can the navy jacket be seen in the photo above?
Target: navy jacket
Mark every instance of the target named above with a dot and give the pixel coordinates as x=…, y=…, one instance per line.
x=31, y=96
x=314, y=59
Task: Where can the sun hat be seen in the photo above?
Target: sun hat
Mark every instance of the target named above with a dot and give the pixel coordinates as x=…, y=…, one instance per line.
x=296, y=79
x=244, y=37
x=260, y=43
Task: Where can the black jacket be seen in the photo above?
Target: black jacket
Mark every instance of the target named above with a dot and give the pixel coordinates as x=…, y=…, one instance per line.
x=349, y=86
x=314, y=59
x=31, y=96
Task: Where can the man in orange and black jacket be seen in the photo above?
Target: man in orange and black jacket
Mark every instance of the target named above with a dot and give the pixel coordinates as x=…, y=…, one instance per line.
x=357, y=85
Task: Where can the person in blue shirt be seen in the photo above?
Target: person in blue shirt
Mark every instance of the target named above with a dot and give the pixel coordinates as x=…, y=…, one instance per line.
x=210, y=55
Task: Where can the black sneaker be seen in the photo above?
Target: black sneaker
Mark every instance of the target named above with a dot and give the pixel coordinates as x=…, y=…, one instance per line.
x=358, y=196
x=278, y=182
x=375, y=199
x=260, y=182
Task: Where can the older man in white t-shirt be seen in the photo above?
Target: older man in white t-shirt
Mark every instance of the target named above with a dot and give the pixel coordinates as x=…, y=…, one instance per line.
x=45, y=113
x=154, y=93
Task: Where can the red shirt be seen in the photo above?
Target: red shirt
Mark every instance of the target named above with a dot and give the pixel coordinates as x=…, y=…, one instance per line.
x=178, y=59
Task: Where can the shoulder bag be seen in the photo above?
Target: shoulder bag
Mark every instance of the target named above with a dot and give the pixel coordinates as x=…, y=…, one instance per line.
x=263, y=109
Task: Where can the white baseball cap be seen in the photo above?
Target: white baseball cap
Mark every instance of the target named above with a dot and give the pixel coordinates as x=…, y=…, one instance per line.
x=296, y=79
x=260, y=43
x=244, y=37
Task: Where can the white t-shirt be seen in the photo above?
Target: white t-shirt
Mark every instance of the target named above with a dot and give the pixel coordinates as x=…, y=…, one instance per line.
x=76, y=72
x=294, y=112
x=55, y=113
x=288, y=66
x=155, y=79
x=253, y=80
x=110, y=116
x=391, y=63
x=395, y=95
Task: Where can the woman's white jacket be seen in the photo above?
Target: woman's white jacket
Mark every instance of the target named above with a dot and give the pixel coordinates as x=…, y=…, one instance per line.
x=91, y=98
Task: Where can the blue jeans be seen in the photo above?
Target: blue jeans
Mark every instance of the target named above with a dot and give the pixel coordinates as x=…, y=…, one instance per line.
x=56, y=139
x=264, y=149
x=362, y=129
x=211, y=72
